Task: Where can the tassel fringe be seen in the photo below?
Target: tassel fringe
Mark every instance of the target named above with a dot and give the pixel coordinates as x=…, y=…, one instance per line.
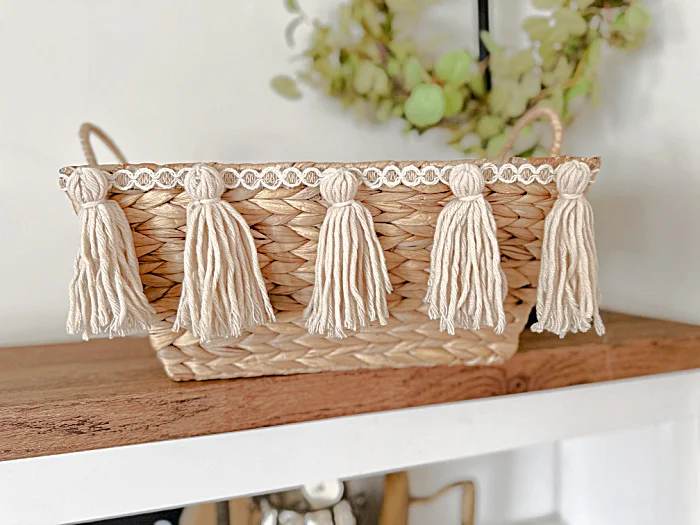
x=568, y=294
x=467, y=286
x=223, y=289
x=106, y=293
x=351, y=279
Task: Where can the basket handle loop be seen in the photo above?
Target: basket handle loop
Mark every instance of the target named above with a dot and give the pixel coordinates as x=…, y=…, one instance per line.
x=86, y=130
x=530, y=116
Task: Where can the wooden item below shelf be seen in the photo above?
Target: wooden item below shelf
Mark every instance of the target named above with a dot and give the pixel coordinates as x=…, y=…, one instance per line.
x=80, y=396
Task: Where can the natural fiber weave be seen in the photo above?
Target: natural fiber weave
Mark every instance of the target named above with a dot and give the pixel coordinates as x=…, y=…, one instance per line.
x=285, y=223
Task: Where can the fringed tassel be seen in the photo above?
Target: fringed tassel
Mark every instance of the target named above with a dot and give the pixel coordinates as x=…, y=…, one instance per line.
x=223, y=290
x=568, y=293
x=106, y=294
x=351, y=279
x=467, y=286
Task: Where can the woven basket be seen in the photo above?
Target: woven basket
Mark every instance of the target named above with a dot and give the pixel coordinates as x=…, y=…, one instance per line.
x=404, y=199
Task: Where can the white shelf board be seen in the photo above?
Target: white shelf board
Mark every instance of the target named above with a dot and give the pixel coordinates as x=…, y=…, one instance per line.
x=85, y=486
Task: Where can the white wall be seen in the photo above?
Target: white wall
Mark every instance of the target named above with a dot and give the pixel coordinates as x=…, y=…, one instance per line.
x=184, y=80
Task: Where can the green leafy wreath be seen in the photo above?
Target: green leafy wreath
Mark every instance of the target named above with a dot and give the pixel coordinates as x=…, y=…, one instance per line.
x=370, y=62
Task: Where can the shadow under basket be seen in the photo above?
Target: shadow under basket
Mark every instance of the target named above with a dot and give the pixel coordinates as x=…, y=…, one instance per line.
x=282, y=205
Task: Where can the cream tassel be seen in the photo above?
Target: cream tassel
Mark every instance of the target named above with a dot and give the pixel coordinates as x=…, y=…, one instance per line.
x=467, y=286
x=106, y=294
x=223, y=290
x=568, y=292
x=351, y=280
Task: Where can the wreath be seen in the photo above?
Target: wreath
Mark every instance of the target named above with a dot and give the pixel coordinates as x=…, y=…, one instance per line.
x=371, y=63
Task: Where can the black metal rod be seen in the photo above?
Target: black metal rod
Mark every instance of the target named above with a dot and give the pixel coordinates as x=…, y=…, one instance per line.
x=484, y=26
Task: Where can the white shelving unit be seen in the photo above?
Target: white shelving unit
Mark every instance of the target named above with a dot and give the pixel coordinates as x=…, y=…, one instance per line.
x=646, y=475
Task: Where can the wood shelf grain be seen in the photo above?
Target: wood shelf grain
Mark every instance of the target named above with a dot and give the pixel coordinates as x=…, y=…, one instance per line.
x=81, y=396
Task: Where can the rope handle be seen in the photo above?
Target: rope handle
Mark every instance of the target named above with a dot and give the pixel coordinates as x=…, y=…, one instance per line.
x=530, y=116
x=86, y=130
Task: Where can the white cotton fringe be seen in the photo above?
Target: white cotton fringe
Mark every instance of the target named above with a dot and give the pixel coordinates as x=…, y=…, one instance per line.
x=467, y=286
x=351, y=279
x=106, y=293
x=223, y=290
x=568, y=294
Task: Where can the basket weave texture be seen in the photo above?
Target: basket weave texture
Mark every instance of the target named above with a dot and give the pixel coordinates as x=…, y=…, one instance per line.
x=285, y=223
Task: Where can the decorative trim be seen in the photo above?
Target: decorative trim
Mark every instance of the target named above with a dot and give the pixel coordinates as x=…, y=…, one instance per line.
x=274, y=177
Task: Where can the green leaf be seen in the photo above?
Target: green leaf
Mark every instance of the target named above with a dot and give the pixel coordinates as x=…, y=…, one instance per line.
x=581, y=88
x=426, y=105
x=495, y=144
x=637, y=17
x=381, y=85
x=499, y=97
x=454, y=99
x=561, y=73
x=489, y=126
x=531, y=84
x=556, y=35
x=489, y=42
x=291, y=6
x=593, y=57
x=363, y=80
x=393, y=67
x=499, y=64
x=413, y=73
x=370, y=16
x=571, y=21
x=517, y=103
x=547, y=4
x=537, y=27
x=523, y=61
x=477, y=85
x=286, y=86
x=454, y=67
x=397, y=111
x=384, y=111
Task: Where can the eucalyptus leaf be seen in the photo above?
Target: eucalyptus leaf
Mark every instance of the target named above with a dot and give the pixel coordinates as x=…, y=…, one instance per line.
x=537, y=27
x=547, y=4
x=454, y=99
x=499, y=64
x=517, y=104
x=370, y=17
x=381, y=85
x=495, y=145
x=426, y=105
x=397, y=111
x=363, y=82
x=477, y=85
x=556, y=35
x=286, y=86
x=393, y=67
x=637, y=17
x=489, y=42
x=581, y=88
x=522, y=61
x=571, y=21
x=384, y=110
x=499, y=97
x=593, y=57
x=413, y=73
x=489, y=126
x=531, y=84
x=454, y=67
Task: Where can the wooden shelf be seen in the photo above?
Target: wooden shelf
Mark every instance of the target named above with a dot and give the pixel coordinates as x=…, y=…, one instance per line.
x=82, y=396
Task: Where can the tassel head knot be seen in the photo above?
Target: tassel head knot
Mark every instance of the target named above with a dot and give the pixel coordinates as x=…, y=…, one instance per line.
x=204, y=184
x=572, y=179
x=466, y=182
x=339, y=186
x=87, y=187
